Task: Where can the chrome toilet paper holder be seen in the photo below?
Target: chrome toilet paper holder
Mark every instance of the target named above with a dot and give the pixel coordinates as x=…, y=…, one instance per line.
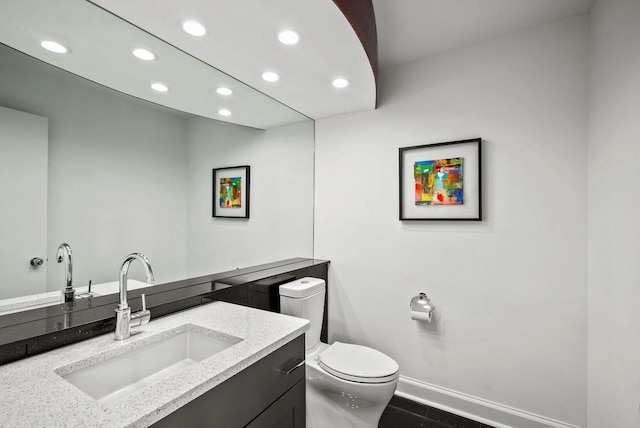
x=421, y=308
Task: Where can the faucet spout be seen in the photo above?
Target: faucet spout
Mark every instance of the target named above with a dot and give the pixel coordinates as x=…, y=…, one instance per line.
x=124, y=271
x=124, y=318
x=64, y=254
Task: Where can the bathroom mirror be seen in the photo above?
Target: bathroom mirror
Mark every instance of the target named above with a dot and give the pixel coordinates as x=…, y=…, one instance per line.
x=112, y=173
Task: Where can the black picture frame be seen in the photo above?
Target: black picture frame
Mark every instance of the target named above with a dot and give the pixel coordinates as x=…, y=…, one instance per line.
x=470, y=151
x=218, y=209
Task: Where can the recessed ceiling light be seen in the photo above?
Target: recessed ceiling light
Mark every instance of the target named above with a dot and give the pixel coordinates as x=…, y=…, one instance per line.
x=340, y=82
x=160, y=87
x=270, y=76
x=194, y=28
x=224, y=112
x=144, y=54
x=222, y=90
x=54, y=47
x=288, y=37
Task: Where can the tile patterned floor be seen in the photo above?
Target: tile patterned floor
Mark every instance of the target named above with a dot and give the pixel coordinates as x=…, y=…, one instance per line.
x=403, y=413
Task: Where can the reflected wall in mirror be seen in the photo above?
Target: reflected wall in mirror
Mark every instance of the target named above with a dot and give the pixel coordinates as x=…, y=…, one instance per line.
x=124, y=175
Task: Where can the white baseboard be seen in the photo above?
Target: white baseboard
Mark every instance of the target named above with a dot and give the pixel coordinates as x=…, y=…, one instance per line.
x=478, y=409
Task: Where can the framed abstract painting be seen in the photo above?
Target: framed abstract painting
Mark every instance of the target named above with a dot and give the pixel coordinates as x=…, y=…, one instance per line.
x=231, y=192
x=441, y=181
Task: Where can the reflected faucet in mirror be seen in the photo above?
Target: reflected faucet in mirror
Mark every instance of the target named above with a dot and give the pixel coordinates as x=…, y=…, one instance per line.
x=124, y=318
x=64, y=253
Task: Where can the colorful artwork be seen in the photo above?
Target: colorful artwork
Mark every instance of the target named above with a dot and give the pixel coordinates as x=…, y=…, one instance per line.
x=438, y=182
x=230, y=192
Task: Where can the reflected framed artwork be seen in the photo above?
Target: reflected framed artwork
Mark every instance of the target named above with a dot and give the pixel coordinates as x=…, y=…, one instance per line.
x=441, y=181
x=231, y=192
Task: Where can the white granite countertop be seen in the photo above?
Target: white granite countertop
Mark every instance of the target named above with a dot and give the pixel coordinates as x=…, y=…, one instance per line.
x=33, y=395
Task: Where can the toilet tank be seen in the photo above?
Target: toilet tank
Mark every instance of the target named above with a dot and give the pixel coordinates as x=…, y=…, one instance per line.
x=304, y=298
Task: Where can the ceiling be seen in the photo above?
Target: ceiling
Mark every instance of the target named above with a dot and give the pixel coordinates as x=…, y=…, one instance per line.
x=101, y=47
x=412, y=29
x=241, y=41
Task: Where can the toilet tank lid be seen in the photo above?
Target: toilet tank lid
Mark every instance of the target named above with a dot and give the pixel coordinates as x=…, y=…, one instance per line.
x=302, y=287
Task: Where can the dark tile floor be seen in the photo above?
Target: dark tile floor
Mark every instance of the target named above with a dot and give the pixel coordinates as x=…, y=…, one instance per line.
x=403, y=413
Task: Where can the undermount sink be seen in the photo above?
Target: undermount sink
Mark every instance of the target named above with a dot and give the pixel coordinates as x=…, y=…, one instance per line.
x=115, y=378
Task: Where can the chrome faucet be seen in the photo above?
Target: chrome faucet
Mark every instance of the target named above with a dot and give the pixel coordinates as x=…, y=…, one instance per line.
x=64, y=253
x=124, y=318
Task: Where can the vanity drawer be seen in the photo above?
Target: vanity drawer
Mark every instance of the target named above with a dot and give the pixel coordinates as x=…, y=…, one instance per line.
x=289, y=411
x=240, y=399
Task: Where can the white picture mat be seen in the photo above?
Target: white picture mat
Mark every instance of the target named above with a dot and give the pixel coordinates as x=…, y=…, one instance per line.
x=229, y=173
x=470, y=182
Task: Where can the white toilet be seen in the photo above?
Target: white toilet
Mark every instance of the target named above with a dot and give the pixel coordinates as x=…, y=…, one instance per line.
x=348, y=386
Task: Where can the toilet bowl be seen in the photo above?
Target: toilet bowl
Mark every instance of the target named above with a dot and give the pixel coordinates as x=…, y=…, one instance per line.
x=347, y=386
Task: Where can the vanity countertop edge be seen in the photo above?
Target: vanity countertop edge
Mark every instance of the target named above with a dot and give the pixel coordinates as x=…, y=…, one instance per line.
x=33, y=394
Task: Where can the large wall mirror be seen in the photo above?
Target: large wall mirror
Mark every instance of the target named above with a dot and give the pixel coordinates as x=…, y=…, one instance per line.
x=112, y=172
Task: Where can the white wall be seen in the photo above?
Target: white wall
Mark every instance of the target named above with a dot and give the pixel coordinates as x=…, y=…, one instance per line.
x=117, y=174
x=117, y=184
x=614, y=230
x=511, y=290
x=23, y=202
x=281, y=209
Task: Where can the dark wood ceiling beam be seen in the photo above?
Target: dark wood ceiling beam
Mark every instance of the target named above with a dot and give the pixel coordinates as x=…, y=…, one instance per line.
x=361, y=16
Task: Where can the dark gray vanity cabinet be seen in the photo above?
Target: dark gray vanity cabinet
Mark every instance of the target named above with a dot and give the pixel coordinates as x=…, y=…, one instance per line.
x=263, y=395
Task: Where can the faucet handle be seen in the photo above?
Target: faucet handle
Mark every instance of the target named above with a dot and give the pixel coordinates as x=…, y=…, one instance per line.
x=142, y=317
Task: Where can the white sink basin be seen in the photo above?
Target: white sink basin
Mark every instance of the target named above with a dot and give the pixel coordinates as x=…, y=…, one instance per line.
x=115, y=378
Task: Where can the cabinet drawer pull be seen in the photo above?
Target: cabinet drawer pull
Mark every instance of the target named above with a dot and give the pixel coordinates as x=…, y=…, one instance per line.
x=293, y=368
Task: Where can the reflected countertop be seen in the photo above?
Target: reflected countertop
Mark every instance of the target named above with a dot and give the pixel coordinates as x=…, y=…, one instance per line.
x=34, y=301
x=34, y=395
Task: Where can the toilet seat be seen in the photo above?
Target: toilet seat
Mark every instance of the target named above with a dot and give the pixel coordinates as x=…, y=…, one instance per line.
x=358, y=363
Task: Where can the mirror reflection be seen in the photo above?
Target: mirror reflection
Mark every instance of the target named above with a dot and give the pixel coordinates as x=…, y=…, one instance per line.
x=110, y=174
